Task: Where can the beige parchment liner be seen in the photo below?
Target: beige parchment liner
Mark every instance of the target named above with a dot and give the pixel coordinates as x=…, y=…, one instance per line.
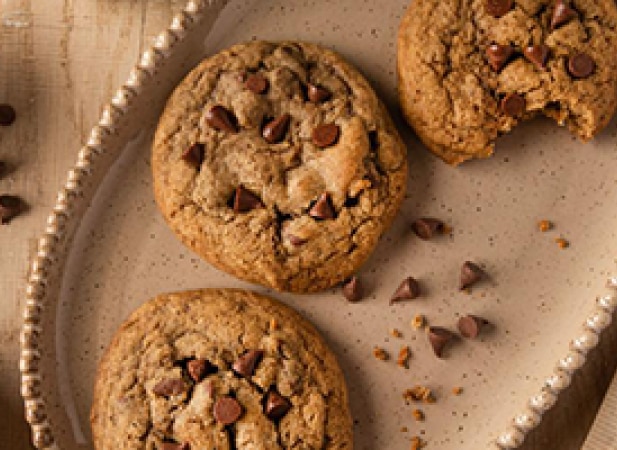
x=106, y=249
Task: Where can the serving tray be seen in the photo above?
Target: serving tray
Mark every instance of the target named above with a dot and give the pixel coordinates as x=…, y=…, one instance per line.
x=106, y=250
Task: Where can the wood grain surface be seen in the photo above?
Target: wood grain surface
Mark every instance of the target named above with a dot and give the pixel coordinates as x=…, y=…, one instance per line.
x=57, y=72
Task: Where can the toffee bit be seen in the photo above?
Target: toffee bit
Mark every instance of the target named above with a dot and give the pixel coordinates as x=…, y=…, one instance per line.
x=418, y=415
x=418, y=321
x=396, y=333
x=273, y=324
x=457, y=390
x=417, y=443
x=380, y=354
x=545, y=225
x=419, y=394
x=562, y=243
x=403, y=357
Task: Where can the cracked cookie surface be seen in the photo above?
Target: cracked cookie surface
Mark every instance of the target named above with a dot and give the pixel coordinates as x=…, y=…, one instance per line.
x=470, y=70
x=219, y=368
x=277, y=163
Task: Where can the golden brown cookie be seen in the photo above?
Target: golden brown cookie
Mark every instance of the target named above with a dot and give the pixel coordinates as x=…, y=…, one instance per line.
x=471, y=70
x=277, y=163
x=219, y=368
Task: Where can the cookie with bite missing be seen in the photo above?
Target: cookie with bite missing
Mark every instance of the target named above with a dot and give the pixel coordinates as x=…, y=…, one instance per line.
x=472, y=70
x=277, y=163
x=219, y=368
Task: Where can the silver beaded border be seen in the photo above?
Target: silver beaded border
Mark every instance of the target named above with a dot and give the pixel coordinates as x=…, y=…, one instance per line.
x=71, y=197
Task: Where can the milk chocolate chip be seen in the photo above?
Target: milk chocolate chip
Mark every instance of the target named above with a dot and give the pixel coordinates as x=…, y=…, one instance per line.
x=537, y=55
x=194, y=155
x=581, y=65
x=470, y=326
x=245, y=201
x=498, y=8
x=562, y=14
x=513, y=105
x=10, y=207
x=439, y=339
x=256, y=83
x=170, y=386
x=323, y=209
x=276, y=406
x=427, y=227
x=498, y=55
x=325, y=135
x=227, y=410
x=245, y=365
x=471, y=273
x=318, y=94
x=220, y=118
x=407, y=290
x=352, y=289
x=275, y=130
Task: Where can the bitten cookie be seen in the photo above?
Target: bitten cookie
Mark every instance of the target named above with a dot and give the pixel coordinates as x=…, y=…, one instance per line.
x=224, y=369
x=471, y=70
x=277, y=163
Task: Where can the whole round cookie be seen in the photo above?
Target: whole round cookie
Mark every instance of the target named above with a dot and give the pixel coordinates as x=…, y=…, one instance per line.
x=471, y=70
x=219, y=368
x=277, y=163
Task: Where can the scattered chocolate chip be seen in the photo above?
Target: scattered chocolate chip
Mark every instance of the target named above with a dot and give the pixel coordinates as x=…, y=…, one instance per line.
x=323, y=209
x=352, y=289
x=318, y=94
x=581, y=65
x=513, y=105
x=199, y=368
x=256, y=83
x=170, y=386
x=562, y=14
x=295, y=240
x=325, y=135
x=245, y=365
x=220, y=118
x=227, y=410
x=426, y=227
x=275, y=130
x=471, y=273
x=245, y=201
x=537, y=55
x=498, y=55
x=470, y=326
x=10, y=207
x=174, y=446
x=194, y=154
x=7, y=115
x=498, y=8
x=276, y=406
x=439, y=338
x=407, y=290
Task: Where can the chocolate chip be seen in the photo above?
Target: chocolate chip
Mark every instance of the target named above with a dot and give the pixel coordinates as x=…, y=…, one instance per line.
x=256, y=83
x=427, y=227
x=537, y=55
x=10, y=207
x=562, y=14
x=220, y=118
x=170, y=386
x=581, y=65
x=174, y=446
x=276, y=406
x=471, y=273
x=245, y=201
x=498, y=8
x=194, y=155
x=323, y=209
x=275, y=130
x=325, y=135
x=352, y=289
x=318, y=94
x=407, y=290
x=498, y=55
x=227, y=410
x=471, y=326
x=439, y=339
x=199, y=368
x=7, y=115
x=245, y=365
x=513, y=105
x=295, y=240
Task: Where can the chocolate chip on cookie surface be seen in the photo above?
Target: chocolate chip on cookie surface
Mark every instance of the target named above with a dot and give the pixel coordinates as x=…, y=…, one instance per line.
x=205, y=369
x=470, y=71
x=277, y=163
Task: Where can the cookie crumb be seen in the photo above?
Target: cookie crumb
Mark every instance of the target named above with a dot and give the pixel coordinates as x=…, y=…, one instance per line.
x=274, y=325
x=418, y=321
x=419, y=394
x=545, y=225
x=396, y=333
x=562, y=243
x=380, y=354
x=417, y=443
x=403, y=357
x=404, y=429
x=418, y=415
x=457, y=390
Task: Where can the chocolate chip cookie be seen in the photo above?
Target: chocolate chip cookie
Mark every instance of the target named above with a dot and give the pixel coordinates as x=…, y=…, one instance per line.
x=471, y=70
x=224, y=369
x=277, y=163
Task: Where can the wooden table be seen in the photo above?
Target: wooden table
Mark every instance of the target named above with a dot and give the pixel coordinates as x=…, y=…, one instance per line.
x=56, y=73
